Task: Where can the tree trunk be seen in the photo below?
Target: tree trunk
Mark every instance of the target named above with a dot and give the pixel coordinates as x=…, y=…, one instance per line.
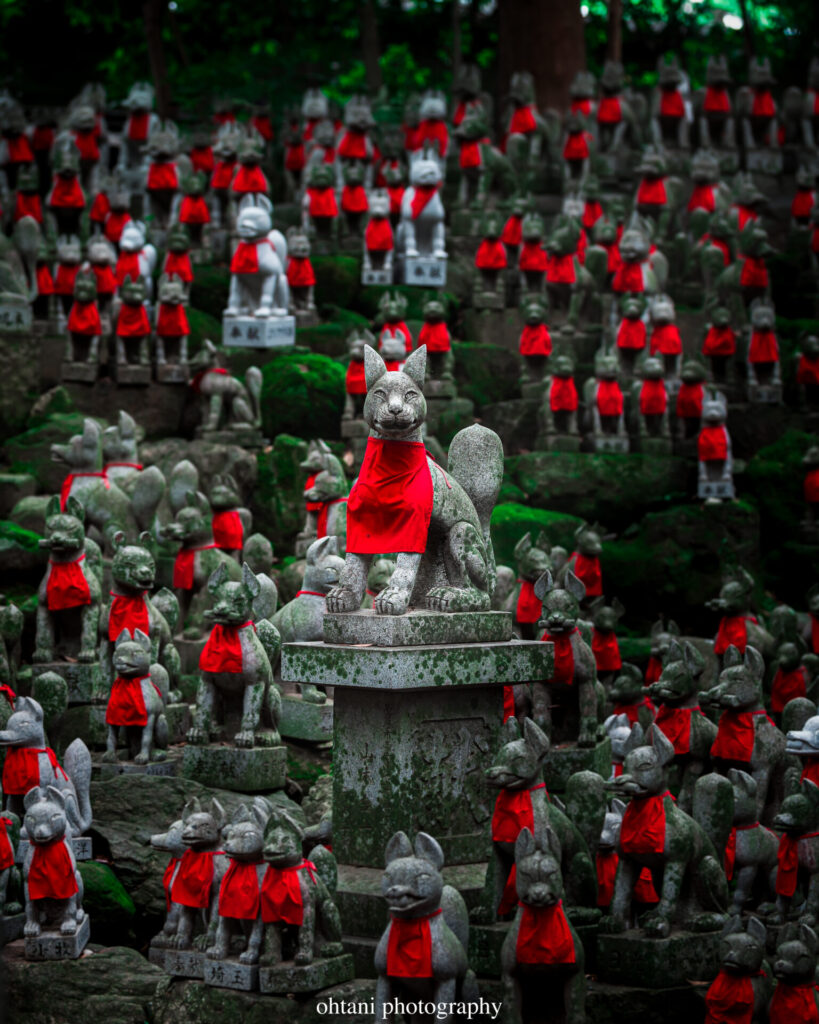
x=371, y=47
x=544, y=37
x=614, y=43
x=747, y=30
x=152, y=11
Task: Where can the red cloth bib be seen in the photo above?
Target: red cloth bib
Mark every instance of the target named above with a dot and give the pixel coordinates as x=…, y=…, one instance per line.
x=132, y=321
x=294, y=157
x=354, y=199
x=6, y=851
x=633, y=712
x=787, y=686
x=763, y=105
x=191, y=887
x=717, y=100
x=21, y=769
x=671, y=103
x=793, y=1004
x=183, y=567
x=469, y=154
x=563, y=394
x=807, y=372
x=665, y=338
x=26, y=205
x=733, y=631
x=172, y=321
x=434, y=131
x=490, y=255
x=409, y=947
x=533, y=257
x=179, y=264
x=436, y=337
x=19, y=149
x=249, y=179
x=390, y=506
x=643, y=827
x=522, y=121
x=754, y=273
x=561, y=270
x=281, y=897
x=609, y=398
x=84, y=318
x=719, y=341
x=67, y=586
x=66, y=194
x=581, y=106
x=223, y=651
x=421, y=195
x=355, y=383
x=606, y=650
x=239, y=893
x=608, y=110
x=508, y=703
x=322, y=202
x=631, y=334
x=513, y=813
x=321, y=526
x=563, y=671
x=803, y=203
x=628, y=278
x=202, y=159
x=651, y=192
x=396, y=194
x=787, y=864
x=675, y=724
x=729, y=999
x=194, y=210
x=712, y=444
x=513, y=230
x=592, y=212
x=114, y=224
x=263, y=125
x=51, y=871
x=702, y=198
x=45, y=282
x=126, y=704
x=535, y=340
x=162, y=176
x=735, y=736
x=576, y=146
x=810, y=770
x=65, y=490
x=529, y=605
x=353, y=145
x=378, y=235
x=731, y=848
x=606, y=863
x=654, y=669
x=106, y=282
x=223, y=174
x=42, y=138
x=228, y=532
x=128, y=611
x=587, y=569
x=689, y=401
x=128, y=266
x=137, y=127
x=544, y=936
x=9, y=694
x=720, y=244
x=653, y=398
x=763, y=348
x=86, y=143
x=246, y=257
x=810, y=486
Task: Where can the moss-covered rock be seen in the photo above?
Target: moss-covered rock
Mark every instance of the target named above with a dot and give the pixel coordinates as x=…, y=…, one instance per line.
x=20, y=551
x=20, y=382
x=55, y=400
x=29, y=452
x=209, y=291
x=278, y=508
x=510, y=521
x=203, y=325
x=338, y=280
x=302, y=394
x=486, y=373
x=29, y=513
x=329, y=338
x=104, y=898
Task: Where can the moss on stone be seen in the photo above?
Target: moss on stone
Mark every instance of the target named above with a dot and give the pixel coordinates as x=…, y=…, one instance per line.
x=511, y=521
x=203, y=325
x=209, y=291
x=338, y=280
x=416, y=298
x=55, y=400
x=104, y=894
x=29, y=452
x=279, y=507
x=486, y=373
x=329, y=339
x=302, y=394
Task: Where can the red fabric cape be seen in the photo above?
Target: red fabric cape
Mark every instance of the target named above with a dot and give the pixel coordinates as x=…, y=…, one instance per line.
x=491, y=255
x=733, y=631
x=522, y=121
x=19, y=149
x=720, y=244
x=469, y=153
x=513, y=813
x=353, y=145
x=717, y=100
x=631, y=334
x=606, y=863
x=436, y=337
x=355, y=383
x=281, y=897
x=654, y=670
x=51, y=871
x=581, y=106
x=390, y=506
x=396, y=194
x=735, y=735
x=84, y=318
x=66, y=194
x=608, y=110
x=513, y=230
x=803, y=203
x=409, y=947
x=671, y=103
x=162, y=176
x=675, y=724
x=810, y=486
x=172, y=321
x=294, y=156
x=132, y=321
x=689, y=401
x=576, y=146
x=239, y=893
x=114, y=224
x=354, y=199
x=730, y=999
x=249, y=179
x=793, y=1004
x=128, y=266
x=222, y=174
x=126, y=704
x=807, y=371
x=42, y=138
x=100, y=208
x=651, y=192
x=45, y=282
x=508, y=703
x=763, y=105
x=563, y=672
x=633, y=711
x=86, y=143
x=754, y=273
x=606, y=650
x=810, y=769
x=653, y=398
x=21, y=769
x=434, y=131
x=263, y=125
x=223, y=651
x=609, y=398
x=194, y=210
x=183, y=567
x=106, y=281
x=26, y=205
x=191, y=887
x=179, y=263
x=665, y=338
x=544, y=936
x=560, y=269
x=763, y=348
x=643, y=827
x=136, y=127
x=6, y=851
x=421, y=195
x=628, y=278
x=535, y=340
x=322, y=202
x=529, y=605
x=562, y=394
x=228, y=532
x=533, y=257
x=587, y=569
x=719, y=341
x=67, y=586
x=592, y=212
x=246, y=257
x=378, y=235
x=702, y=198
x=128, y=611
x=787, y=686
x=712, y=444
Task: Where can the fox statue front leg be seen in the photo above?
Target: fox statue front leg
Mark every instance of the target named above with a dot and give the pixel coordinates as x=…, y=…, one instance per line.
x=394, y=599
x=347, y=596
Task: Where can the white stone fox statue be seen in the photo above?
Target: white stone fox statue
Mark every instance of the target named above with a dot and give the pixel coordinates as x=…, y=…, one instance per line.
x=403, y=502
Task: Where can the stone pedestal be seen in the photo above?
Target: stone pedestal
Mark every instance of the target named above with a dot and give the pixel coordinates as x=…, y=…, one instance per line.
x=618, y=443
x=723, y=489
x=424, y=271
x=172, y=373
x=765, y=394
x=184, y=963
x=15, y=314
x=53, y=945
x=301, y=720
x=289, y=977
x=255, y=332
x=80, y=845
x=632, y=958
x=380, y=277
x=132, y=373
x=232, y=974
x=85, y=680
x=306, y=318
x=559, y=442
x=564, y=760
x=167, y=769
x=83, y=373
x=533, y=390
x=241, y=769
x=488, y=300
x=660, y=446
x=11, y=927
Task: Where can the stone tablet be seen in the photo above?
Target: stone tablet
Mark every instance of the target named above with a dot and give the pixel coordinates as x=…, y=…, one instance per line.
x=55, y=946
x=250, y=332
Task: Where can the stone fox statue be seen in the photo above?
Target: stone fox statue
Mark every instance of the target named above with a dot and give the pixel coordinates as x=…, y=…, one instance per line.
x=436, y=522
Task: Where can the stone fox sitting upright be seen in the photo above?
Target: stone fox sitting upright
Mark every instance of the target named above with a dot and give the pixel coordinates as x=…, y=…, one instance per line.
x=436, y=522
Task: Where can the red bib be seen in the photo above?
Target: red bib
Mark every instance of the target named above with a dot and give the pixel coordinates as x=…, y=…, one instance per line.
x=562, y=394
x=529, y=605
x=793, y=1004
x=353, y=145
x=587, y=569
x=19, y=149
x=720, y=244
x=263, y=125
x=563, y=672
x=535, y=340
x=223, y=651
x=735, y=736
x=560, y=269
x=807, y=372
x=763, y=348
x=609, y=398
x=26, y=205
x=132, y=321
x=162, y=176
x=191, y=887
x=712, y=444
x=763, y=105
x=576, y=146
x=533, y=257
x=100, y=208
x=436, y=337
x=754, y=273
x=51, y=872
x=434, y=131
x=490, y=255
x=249, y=179
x=606, y=650
x=42, y=138
x=665, y=338
x=803, y=203
x=606, y=863
x=810, y=486
x=508, y=703
x=628, y=278
x=322, y=202
x=653, y=398
x=114, y=224
x=643, y=827
x=65, y=490
x=128, y=266
x=651, y=192
x=21, y=769
x=179, y=264
x=631, y=334
x=702, y=198
x=354, y=199
x=581, y=106
x=787, y=686
x=719, y=341
x=223, y=174
x=513, y=230
x=717, y=100
x=729, y=999
x=66, y=276
x=84, y=318
x=239, y=894
x=128, y=611
x=228, y=532
x=281, y=897
x=321, y=526
x=137, y=126
x=294, y=157
x=689, y=401
x=633, y=713
x=246, y=257
x=86, y=143
x=194, y=210
x=671, y=103
x=106, y=282
x=399, y=328
x=9, y=694
x=409, y=947
x=810, y=770
x=355, y=382
x=592, y=212
x=513, y=813
x=390, y=506
x=66, y=194
x=300, y=272
x=421, y=195
x=67, y=586
x=396, y=195
x=608, y=110
x=654, y=669
x=733, y=631
x=544, y=936
x=675, y=724
x=522, y=121
x=45, y=282
x=172, y=321
x=378, y=235
x=469, y=154
x=6, y=851
x=126, y=704
x=183, y=566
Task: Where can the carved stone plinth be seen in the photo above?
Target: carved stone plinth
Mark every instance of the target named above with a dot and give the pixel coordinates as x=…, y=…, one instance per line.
x=179, y=721
x=723, y=489
x=255, y=332
x=85, y=680
x=417, y=628
x=488, y=300
x=241, y=769
x=632, y=958
x=232, y=974
x=767, y=394
x=381, y=277
x=423, y=271
x=173, y=373
x=567, y=758
x=53, y=945
x=764, y=161
x=156, y=955
x=132, y=373
x=301, y=720
x=184, y=963
x=166, y=769
x=83, y=373
x=11, y=927
x=15, y=315
x=321, y=973
x=618, y=443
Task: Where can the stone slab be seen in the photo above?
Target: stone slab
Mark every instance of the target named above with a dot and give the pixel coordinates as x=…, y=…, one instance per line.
x=156, y=955
x=533, y=390
x=82, y=373
x=417, y=628
x=659, y=446
x=489, y=300
x=185, y=963
x=55, y=946
x=765, y=394
x=85, y=680
x=11, y=927
x=423, y=271
x=560, y=443
x=241, y=769
x=232, y=974
x=172, y=373
x=416, y=668
x=613, y=443
x=632, y=958
x=301, y=720
x=132, y=374
x=15, y=316
x=485, y=941
x=716, y=489
x=166, y=769
x=250, y=439
x=253, y=332
x=563, y=761
x=376, y=276
x=363, y=953
x=287, y=977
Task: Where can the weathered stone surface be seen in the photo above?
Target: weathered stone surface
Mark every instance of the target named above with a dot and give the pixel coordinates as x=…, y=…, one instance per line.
x=11, y=927
x=51, y=945
x=254, y=770
x=29, y=513
x=300, y=720
x=320, y=974
x=417, y=628
x=189, y=653
x=85, y=681
x=231, y=973
x=185, y=963
x=84, y=720
x=563, y=761
x=14, y=487
x=633, y=959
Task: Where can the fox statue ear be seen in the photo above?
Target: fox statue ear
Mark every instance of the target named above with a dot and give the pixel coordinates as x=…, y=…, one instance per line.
x=416, y=364
x=374, y=366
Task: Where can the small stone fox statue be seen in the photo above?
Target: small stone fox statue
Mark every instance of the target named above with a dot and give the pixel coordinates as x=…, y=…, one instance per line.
x=137, y=700
x=437, y=521
x=742, y=988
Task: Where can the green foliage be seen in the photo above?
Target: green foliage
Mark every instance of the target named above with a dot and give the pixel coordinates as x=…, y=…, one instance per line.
x=209, y=291
x=14, y=536
x=302, y=394
x=511, y=521
x=486, y=373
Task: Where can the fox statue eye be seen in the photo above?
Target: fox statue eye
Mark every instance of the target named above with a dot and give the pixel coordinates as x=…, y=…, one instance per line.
x=379, y=393
x=411, y=394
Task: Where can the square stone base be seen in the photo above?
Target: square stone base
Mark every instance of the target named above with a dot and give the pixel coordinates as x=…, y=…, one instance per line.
x=416, y=628
x=765, y=394
x=634, y=959
x=83, y=373
x=241, y=769
x=716, y=489
x=250, y=438
x=255, y=332
x=288, y=977
x=301, y=720
x=424, y=271
x=11, y=927
x=156, y=955
x=55, y=946
x=489, y=300
x=85, y=680
x=173, y=373
x=382, y=277
x=232, y=974
x=611, y=443
x=166, y=769
x=132, y=373
x=184, y=963
x=564, y=761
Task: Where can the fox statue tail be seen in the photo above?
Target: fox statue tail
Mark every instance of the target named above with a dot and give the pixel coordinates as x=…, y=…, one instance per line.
x=476, y=462
x=253, y=383
x=77, y=764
